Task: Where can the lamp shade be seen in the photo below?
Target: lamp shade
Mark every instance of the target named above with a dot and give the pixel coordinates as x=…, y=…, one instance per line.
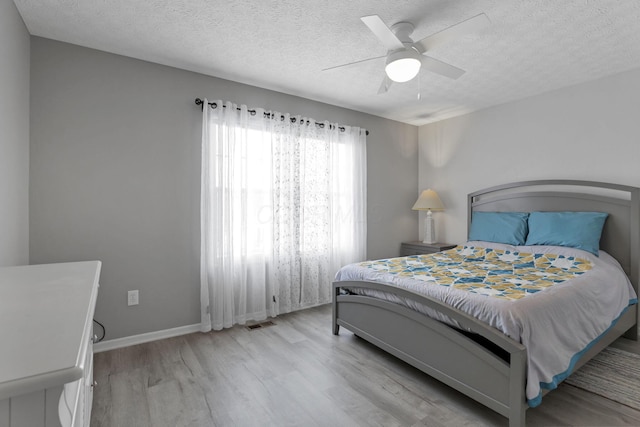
x=403, y=65
x=428, y=200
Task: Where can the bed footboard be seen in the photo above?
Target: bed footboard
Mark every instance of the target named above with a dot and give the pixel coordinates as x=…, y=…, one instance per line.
x=437, y=349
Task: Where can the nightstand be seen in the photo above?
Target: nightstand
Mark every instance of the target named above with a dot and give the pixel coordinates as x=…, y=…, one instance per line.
x=419, y=248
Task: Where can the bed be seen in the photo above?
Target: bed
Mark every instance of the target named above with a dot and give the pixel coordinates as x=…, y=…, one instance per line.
x=471, y=355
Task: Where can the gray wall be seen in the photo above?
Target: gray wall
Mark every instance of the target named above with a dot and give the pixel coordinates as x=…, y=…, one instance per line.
x=589, y=131
x=14, y=137
x=115, y=164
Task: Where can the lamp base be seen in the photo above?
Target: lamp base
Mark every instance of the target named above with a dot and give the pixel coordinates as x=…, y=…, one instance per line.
x=429, y=229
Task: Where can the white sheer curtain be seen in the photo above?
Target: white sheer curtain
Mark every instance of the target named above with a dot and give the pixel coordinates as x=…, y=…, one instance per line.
x=283, y=207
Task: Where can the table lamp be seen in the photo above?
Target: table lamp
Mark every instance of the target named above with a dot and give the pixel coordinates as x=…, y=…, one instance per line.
x=429, y=201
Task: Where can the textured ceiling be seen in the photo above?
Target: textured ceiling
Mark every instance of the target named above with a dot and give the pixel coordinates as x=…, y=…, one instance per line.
x=530, y=46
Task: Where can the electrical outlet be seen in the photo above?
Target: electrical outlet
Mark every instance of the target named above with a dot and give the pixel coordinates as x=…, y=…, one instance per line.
x=132, y=298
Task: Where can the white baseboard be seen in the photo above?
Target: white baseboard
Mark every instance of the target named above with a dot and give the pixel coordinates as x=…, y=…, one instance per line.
x=142, y=338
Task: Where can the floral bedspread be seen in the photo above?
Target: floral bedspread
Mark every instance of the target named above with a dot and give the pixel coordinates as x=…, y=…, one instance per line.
x=492, y=272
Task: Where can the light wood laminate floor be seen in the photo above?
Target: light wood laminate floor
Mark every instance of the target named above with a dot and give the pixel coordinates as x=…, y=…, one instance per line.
x=296, y=373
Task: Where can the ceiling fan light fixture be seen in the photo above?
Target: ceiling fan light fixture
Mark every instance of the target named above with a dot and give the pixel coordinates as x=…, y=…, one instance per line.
x=403, y=65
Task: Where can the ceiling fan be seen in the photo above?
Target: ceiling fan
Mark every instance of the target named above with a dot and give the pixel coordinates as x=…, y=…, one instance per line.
x=405, y=57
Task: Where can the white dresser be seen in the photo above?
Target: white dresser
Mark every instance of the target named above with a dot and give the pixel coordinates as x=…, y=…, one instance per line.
x=46, y=344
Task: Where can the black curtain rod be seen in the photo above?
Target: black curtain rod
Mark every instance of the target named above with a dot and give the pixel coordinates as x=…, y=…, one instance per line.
x=267, y=115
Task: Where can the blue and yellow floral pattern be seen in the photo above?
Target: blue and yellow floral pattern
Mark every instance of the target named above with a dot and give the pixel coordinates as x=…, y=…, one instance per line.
x=491, y=272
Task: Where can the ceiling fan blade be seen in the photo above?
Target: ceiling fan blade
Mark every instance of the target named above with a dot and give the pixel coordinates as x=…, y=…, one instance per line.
x=386, y=84
x=382, y=32
x=441, y=68
x=354, y=63
x=470, y=25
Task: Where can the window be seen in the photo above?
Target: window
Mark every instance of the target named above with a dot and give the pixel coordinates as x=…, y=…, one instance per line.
x=283, y=205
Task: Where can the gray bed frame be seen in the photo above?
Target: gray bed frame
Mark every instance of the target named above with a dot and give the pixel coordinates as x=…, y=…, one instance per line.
x=451, y=356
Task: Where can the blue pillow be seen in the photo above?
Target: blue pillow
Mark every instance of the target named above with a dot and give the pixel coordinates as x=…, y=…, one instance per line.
x=580, y=230
x=500, y=227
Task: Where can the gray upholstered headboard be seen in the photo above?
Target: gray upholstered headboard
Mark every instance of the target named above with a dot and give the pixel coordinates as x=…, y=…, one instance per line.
x=621, y=234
